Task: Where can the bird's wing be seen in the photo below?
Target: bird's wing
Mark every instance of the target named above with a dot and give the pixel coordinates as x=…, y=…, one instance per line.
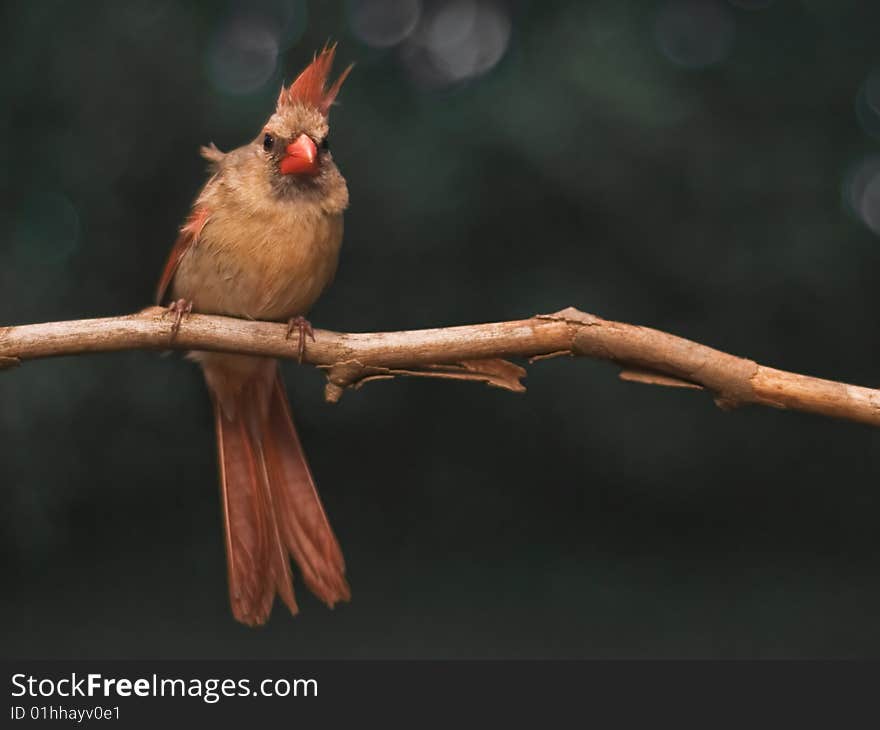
x=188, y=237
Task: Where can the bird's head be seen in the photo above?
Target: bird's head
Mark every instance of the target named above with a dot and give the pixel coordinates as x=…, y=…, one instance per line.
x=294, y=141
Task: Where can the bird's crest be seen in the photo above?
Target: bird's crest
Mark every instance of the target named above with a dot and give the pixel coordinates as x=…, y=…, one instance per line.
x=310, y=87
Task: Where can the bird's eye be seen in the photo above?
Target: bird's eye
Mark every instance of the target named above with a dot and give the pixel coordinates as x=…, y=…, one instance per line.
x=325, y=143
x=268, y=142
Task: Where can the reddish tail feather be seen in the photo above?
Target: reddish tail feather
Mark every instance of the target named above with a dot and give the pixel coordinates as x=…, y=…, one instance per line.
x=270, y=504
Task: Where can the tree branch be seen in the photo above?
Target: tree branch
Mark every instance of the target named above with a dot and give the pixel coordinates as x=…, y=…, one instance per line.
x=469, y=352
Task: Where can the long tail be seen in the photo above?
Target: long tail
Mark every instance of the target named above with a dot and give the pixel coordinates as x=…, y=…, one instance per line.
x=270, y=504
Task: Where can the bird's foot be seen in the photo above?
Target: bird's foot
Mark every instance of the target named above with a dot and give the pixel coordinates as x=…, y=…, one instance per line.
x=304, y=327
x=180, y=309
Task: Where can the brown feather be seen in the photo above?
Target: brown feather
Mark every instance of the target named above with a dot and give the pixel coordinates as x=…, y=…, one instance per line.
x=271, y=507
x=245, y=522
x=188, y=237
x=310, y=87
x=301, y=518
x=257, y=557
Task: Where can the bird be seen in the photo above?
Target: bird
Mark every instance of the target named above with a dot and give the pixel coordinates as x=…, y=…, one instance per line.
x=262, y=242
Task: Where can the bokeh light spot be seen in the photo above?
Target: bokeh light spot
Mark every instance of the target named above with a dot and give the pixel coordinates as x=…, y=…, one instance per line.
x=695, y=34
x=458, y=40
x=384, y=23
x=861, y=191
x=451, y=25
x=870, y=204
x=243, y=55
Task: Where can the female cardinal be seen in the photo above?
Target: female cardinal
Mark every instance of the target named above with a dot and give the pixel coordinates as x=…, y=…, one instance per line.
x=262, y=242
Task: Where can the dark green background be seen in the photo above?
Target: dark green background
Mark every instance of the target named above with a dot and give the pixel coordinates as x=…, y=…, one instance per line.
x=586, y=518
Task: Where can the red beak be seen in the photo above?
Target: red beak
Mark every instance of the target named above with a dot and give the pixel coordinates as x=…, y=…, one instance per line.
x=301, y=158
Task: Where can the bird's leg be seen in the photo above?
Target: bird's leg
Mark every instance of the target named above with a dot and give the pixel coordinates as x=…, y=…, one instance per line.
x=180, y=309
x=304, y=327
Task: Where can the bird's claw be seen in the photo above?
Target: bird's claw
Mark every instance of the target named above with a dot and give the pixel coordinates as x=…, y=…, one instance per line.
x=304, y=327
x=180, y=309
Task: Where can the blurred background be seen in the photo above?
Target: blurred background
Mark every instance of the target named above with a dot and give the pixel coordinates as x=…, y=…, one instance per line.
x=711, y=168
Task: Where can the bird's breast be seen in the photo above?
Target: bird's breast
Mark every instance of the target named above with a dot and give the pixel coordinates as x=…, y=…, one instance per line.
x=267, y=263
